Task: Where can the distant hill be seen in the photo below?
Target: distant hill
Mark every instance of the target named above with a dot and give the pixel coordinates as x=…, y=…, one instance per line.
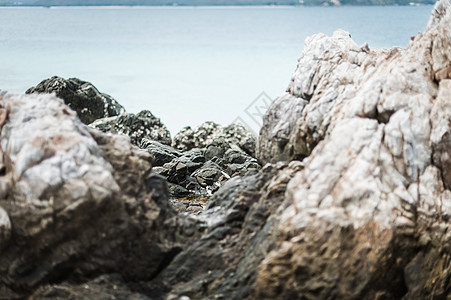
x=148, y=2
x=209, y=2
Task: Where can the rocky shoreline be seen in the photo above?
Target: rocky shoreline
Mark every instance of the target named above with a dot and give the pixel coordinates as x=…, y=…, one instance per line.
x=196, y=163
x=345, y=194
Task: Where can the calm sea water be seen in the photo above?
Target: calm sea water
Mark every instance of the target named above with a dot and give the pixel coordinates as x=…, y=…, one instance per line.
x=186, y=65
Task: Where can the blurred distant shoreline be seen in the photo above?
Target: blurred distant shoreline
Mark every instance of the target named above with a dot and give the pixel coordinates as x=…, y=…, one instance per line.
x=215, y=3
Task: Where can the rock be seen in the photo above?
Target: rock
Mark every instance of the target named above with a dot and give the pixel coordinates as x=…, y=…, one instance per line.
x=105, y=287
x=209, y=132
x=188, y=205
x=81, y=96
x=203, y=171
x=177, y=191
x=137, y=126
x=210, y=177
x=162, y=153
x=240, y=217
x=440, y=134
x=216, y=149
x=369, y=216
x=80, y=203
x=5, y=229
x=176, y=171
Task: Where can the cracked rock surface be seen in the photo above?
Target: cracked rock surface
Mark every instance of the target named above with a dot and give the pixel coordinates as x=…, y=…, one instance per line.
x=369, y=215
x=75, y=203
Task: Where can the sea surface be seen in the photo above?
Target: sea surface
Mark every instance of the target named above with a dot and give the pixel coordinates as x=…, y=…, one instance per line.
x=185, y=64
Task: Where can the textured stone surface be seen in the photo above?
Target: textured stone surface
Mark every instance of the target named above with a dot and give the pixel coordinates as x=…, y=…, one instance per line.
x=369, y=216
x=80, y=203
x=239, y=222
x=202, y=171
x=143, y=125
x=366, y=214
x=208, y=132
x=161, y=153
x=81, y=96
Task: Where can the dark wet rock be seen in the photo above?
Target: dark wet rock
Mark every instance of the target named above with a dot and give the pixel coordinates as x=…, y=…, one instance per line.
x=177, y=191
x=216, y=149
x=203, y=171
x=143, y=125
x=442, y=158
x=210, y=177
x=175, y=171
x=162, y=153
x=209, y=132
x=240, y=218
x=81, y=96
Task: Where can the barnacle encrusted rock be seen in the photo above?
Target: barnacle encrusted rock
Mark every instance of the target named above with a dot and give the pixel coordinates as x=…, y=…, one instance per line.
x=137, y=126
x=208, y=132
x=81, y=96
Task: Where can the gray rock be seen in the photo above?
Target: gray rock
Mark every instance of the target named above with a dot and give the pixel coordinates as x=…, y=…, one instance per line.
x=216, y=149
x=203, y=171
x=105, y=287
x=162, y=153
x=81, y=96
x=209, y=132
x=210, y=176
x=188, y=206
x=80, y=203
x=177, y=191
x=143, y=125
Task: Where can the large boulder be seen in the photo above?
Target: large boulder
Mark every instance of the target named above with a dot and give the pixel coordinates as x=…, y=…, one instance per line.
x=209, y=132
x=81, y=96
x=76, y=203
x=370, y=215
x=143, y=125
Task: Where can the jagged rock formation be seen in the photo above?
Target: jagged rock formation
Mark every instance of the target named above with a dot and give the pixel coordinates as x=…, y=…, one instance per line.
x=199, y=171
x=366, y=214
x=143, y=125
x=208, y=132
x=81, y=96
x=75, y=203
x=369, y=216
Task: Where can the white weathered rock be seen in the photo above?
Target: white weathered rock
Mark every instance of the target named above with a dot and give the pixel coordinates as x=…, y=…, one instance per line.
x=373, y=204
x=74, y=201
